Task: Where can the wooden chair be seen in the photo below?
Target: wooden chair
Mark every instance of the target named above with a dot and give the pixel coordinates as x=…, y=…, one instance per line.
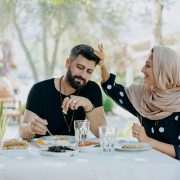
x=13, y=108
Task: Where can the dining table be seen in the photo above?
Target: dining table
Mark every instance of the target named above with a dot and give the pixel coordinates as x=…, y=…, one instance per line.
x=89, y=164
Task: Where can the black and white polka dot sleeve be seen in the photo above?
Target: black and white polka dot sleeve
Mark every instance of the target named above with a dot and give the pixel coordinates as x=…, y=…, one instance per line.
x=177, y=151
x=118, y=94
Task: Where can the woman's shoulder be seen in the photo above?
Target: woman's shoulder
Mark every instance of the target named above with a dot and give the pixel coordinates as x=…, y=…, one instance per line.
x=175, y=116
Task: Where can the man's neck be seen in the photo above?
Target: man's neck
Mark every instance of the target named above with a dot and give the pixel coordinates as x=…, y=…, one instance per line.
x=66, y=88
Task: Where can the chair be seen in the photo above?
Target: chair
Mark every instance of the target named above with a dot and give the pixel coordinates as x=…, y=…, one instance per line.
x=13, y=108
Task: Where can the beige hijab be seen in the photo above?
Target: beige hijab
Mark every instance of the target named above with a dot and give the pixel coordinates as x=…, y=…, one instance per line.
x=163, y=98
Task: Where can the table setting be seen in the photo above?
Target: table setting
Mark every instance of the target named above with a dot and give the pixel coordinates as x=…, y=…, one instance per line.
x=83, y=157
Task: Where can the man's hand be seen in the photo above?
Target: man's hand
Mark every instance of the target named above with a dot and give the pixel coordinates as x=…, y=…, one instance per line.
x=38, y=126
x=74, y=102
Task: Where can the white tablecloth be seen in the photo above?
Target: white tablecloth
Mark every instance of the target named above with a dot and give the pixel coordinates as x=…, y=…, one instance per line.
x=89, y=165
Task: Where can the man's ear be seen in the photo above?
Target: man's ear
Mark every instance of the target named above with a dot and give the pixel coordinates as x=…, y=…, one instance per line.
x=68, y=62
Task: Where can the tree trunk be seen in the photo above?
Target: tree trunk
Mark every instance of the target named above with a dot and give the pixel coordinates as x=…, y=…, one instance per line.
x=157, y=23
x=45, y=53
x=28, y=55
x=54, y=56
x=44, y=41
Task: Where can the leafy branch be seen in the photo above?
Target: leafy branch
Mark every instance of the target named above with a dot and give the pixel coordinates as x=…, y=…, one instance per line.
x=3, y=121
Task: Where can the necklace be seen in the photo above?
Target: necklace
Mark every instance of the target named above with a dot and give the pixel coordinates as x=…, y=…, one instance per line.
x=72, y=117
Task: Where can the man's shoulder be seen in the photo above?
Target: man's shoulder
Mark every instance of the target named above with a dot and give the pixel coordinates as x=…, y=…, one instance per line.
x=93, y=92
x=92, y=84
x=44, y=83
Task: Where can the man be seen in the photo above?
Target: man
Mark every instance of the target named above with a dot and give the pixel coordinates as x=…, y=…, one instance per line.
x=57, y=102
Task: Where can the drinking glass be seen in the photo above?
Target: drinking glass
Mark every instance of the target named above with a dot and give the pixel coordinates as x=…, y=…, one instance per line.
x=81, y=128
x=107, y=138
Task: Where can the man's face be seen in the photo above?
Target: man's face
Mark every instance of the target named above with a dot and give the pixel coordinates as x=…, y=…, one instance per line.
x=79, y=71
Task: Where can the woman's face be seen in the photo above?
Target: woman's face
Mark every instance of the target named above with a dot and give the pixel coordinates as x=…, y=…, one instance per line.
x=147, y=70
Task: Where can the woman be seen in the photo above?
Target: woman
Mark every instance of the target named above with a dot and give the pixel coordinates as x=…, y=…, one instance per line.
x=156, y=102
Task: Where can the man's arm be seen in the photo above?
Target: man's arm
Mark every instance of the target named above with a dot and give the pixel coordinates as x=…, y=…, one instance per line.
x=96, y=118
x=32, y=125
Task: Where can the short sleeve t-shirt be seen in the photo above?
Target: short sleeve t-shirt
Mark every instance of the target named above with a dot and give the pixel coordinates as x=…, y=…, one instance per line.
x=45, y=101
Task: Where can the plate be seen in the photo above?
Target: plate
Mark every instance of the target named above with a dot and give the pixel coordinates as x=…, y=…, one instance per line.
x=15, y=152
x=133, y=146
x=17, y=144
x=89, y=144
x=47, y=141
x=45, y=152
x=57, y=137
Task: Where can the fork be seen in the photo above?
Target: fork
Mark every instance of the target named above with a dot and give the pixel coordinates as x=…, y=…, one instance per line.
x=48, y=131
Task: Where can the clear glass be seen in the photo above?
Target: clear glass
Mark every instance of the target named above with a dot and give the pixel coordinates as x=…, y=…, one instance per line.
x=107, y=138
x=81, y=128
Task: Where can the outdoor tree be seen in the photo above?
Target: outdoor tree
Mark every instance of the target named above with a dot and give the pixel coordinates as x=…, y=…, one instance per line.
x=48, y=19
x=46, y=28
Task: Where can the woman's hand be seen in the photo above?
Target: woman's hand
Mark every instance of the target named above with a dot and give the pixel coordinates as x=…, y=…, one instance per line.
x=100, y=54
x=139, y=132
x=104, y=71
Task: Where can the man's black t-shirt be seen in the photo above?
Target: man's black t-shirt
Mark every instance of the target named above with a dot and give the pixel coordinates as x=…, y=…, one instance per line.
x=45, y=101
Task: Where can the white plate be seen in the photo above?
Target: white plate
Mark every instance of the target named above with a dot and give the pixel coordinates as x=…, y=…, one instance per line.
x=143, y=146
x=58, y=140
x=57, y=137
x=15, y=151
x=60, y=154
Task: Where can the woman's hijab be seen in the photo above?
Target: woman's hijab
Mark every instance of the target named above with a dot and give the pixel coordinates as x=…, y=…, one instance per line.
x=163, y=98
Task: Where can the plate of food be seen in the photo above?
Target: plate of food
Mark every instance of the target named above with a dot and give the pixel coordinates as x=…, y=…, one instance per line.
x=47, y=141
x=14, y=145
x=44, y=143
x=133, y=146
x=57, y=137
x=62, y=151
x=88, y=144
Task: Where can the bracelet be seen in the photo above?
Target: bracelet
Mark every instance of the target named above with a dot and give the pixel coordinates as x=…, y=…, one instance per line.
x=90, y=110
x=29, y=128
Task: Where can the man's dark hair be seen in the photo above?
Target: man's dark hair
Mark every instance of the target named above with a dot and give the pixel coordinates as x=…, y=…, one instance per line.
x=84, y=50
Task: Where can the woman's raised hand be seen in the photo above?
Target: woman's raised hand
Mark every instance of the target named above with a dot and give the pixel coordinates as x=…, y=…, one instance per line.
x=100, y=54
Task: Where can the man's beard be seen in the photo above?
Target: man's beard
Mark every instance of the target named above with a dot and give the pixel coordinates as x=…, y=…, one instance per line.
x=73, y=83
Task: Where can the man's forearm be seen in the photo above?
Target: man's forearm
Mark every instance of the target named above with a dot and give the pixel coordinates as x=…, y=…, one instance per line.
x=96, y=118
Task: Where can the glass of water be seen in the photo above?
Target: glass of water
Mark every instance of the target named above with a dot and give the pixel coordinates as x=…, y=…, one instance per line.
x=81, y=128
x=107, y=138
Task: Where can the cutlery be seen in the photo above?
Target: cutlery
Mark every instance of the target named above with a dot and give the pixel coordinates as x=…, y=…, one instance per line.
x=48, y=131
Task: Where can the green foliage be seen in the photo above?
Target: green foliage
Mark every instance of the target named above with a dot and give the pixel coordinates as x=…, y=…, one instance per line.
x=120, y=78
x=107, y=104
x=23, y=108
x=1, y=110
x=138, y=79
x=3, y=121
